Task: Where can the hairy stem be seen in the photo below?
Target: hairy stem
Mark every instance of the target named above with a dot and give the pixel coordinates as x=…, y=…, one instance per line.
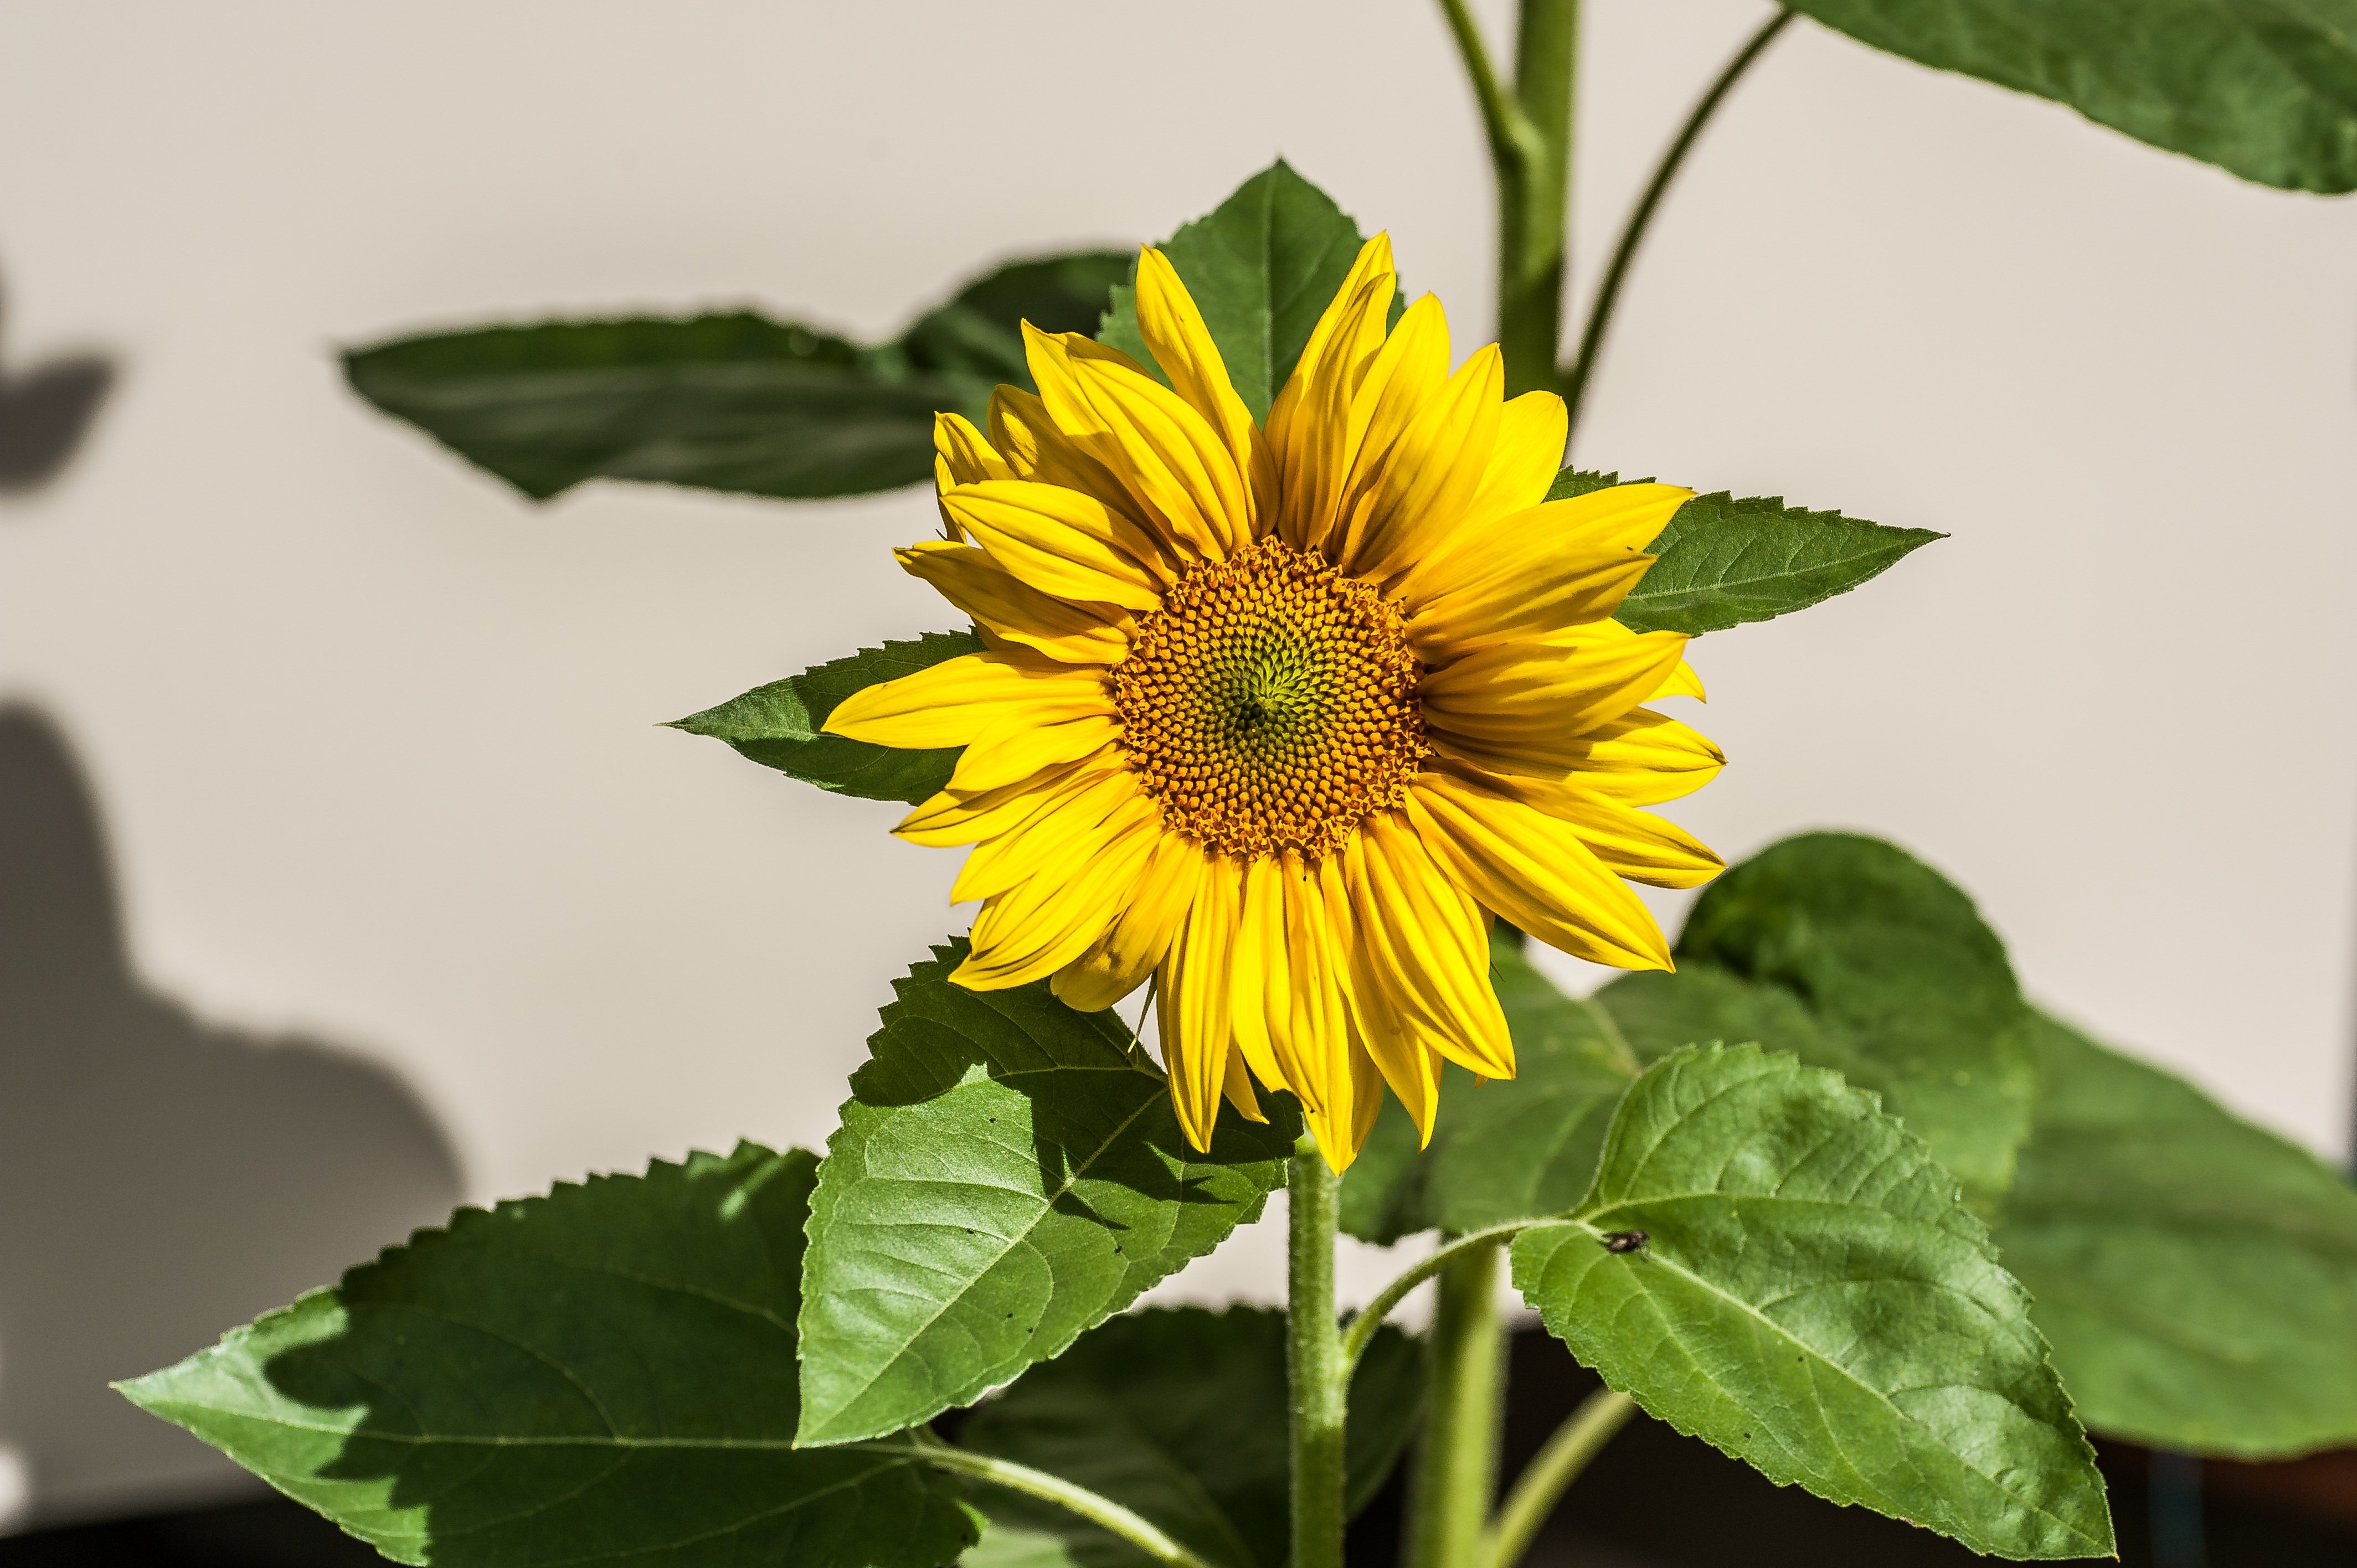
x=1579, y=1439
x=1318, y=1376
x=1455, y=1465
x=1633, y=233
x=1098, y=1511
x=1387, y=1300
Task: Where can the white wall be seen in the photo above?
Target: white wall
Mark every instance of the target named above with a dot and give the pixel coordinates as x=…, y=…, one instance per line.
x=371, y=739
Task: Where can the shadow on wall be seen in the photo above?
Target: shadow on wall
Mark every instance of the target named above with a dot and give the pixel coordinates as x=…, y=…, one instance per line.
x=160, y=1180
x=45, y=413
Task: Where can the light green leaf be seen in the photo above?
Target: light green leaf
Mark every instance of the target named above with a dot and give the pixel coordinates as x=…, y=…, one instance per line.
x=2266, y=89
x=1261, y=267
x=1505, y=1150
x=606, y=1373
x=1810, y=1297
x=1008, y=1173
x=1722, y=562
x=2197, y=1275
x=777, y=725
x=1857, y=957
x=1180, y=1415
x=732, y=402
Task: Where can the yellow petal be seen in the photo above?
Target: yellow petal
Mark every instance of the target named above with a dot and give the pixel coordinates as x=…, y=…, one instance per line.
x=1641, y=758
x=1682, y=683
x=1016, y=749
x=1181, y=344
x=1051, y=844
x=1392, y=1044
x=1539, y=698
x=1064, y=542
x=1428, y=478
x=1000, y=602
x=1262, y=982
x=959, y=698
x=1035, y=450
x=1640, y=845
x=1400, y=381
x=1533, y=870
x=1533, y=431
x=1174, y=464
x=1427, y=946
x=1140, y=935
x=1238, y=1088
x=1035, y=929
x=1191, y=1001
x=1471, y=565
x=949, y=819
x=961, y=456
x=1308, y=420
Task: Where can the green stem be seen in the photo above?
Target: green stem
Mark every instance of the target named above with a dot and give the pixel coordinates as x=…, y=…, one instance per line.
x=1387, y=1300
x=1318, y=1379
x=1456, y=1473
x=1103, y=1512
x=1529, y=130
x=1579, y=1439
x=1607, y=293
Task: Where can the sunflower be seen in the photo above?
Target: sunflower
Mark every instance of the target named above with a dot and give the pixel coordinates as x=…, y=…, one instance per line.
x=1281, y=715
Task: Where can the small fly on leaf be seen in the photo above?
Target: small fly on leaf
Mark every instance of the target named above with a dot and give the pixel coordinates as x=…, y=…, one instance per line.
x=1625, y=1241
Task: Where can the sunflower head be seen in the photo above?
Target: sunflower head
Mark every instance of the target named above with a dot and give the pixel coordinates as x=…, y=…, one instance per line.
x=1281, y=715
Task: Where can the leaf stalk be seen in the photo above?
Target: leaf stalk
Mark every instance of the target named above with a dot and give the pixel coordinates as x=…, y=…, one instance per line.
x=1541, y=1486
x=1099, y=1510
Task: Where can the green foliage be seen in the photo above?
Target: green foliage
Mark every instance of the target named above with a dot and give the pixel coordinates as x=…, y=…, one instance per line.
x=2198, y=1276
x=1008, y=1173
x=2266, y=89
x=777, y=725
x=1724, y=562
x=605, y=1372
x=1857, y=957
x=1507, y=1150
x=729, y=402
x=1181, y=1416
x=1811, y=1298
x=1261, y=267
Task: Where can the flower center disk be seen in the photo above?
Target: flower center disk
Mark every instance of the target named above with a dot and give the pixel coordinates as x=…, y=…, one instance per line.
x=1270, y=703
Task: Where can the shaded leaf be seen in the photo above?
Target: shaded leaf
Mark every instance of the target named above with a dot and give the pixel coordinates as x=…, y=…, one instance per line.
x=1505, y=1150
x=1811, y=1298
x=2266, y=89
x=607, y=1373
x=2197, y=1275
x=1857, y=957
x=1181, y=1415
x=732, y=402
x=777, y=725
x=1261, y=267
x=1008, y=1173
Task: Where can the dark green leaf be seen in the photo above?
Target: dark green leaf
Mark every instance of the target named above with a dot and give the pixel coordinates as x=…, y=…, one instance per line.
x=606, y=1373
x=723, y=402
x=2197, y=1275
x=1181, y=1415
x=777, y=725
x=1860, y=958
x=1008, y=1173
x=1724, y=562
x=2266, y=89
x=1811, y=1297
x=1505, y=1150
x=727, y=403
x=979, y=333
x=1261, y=267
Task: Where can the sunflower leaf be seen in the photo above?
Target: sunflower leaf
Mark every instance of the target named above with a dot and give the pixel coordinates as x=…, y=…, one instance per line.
x=777, y=725
x=1261, y=267
x=2265, y=89
x=2198, y=1276
x=1769, y=1262
x=729, y=402
x=1724, y=562
x=1505, y=1150
x=1008, y=1173
x=1859, y=958
x=605, y=1372
x=1181, y=1416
